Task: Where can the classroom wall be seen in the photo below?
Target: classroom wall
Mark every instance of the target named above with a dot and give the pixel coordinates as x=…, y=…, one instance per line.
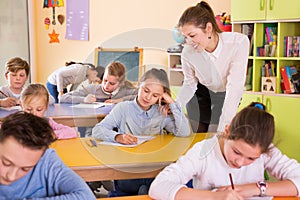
x=114, y=23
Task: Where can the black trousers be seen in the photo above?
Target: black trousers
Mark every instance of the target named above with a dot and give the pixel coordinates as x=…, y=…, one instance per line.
x=204, y=108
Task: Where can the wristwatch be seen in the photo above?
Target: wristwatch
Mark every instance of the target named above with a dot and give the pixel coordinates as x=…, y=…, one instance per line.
x=262, y=185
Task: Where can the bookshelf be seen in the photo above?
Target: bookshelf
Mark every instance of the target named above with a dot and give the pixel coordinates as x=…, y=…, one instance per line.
x=174, y=69
x=285, y=17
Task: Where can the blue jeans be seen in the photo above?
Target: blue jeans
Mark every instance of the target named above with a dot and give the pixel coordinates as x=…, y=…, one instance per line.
x=134, y=186
x=52, y=89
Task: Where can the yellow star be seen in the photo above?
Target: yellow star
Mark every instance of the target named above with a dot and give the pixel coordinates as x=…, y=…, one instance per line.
x=53, y=37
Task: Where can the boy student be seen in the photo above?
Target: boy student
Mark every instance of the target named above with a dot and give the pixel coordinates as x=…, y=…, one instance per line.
x=28, y=168
x=232, y=164
x=113, y=89
x=16, y=73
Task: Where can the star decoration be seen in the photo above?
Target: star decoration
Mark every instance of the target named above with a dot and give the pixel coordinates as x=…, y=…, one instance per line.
x=53, y=37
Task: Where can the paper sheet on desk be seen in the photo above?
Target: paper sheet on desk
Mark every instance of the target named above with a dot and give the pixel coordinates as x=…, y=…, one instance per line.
x=11, y=108
x=260, y=198
x=141, y=139
x=91, y=105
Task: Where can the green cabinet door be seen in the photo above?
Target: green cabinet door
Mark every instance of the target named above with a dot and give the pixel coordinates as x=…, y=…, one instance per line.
x=282, y=9
x=287, y=130
x=245, y=10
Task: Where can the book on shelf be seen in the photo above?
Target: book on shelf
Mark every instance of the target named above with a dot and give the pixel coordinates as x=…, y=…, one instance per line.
x=289, y=75
x=292, y=46
x=248, y=30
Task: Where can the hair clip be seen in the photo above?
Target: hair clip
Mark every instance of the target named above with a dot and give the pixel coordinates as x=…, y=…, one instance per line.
x=258, y=105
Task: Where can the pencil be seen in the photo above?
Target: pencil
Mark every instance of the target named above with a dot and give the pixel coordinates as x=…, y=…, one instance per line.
x=3, y=93
x=85, y=89
x=129, y=128
x=231, y=181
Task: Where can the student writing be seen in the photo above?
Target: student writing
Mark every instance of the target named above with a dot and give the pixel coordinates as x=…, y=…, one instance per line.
x=35, y=100
x=142, y=116
x=113, y=89
x=73, y=74
x=245, y=150
x=16, y=73
x=29, y=169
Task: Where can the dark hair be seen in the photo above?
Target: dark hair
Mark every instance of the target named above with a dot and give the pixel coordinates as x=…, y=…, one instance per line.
x=29, y=130
x=253, y=125
x=16, y=64
x=160, y=75
x=199, y=16
x=91, y=66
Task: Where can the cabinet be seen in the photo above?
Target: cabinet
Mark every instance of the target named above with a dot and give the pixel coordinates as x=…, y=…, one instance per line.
x=245, y=10
x=175, y=74
x=258, y=40
x=285, y=109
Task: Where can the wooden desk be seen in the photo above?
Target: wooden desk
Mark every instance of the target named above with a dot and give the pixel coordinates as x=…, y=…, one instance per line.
x=143, y=161
x=146, y=197
x=75, y=117
x=70, y=116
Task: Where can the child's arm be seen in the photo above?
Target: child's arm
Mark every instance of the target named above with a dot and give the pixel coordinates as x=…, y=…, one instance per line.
x=104, y=129
x=62, y=182
x=78, y=96
x=61, y=131
x=176, y=123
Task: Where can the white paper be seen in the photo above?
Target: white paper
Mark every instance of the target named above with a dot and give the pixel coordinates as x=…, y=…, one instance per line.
x=140, y=139
x=91, y=105
x=11, y=108
x=260, y=198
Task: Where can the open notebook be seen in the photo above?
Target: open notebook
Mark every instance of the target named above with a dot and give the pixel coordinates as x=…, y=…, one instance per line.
x=141, y=139
x=16, y=108
x=91, y=105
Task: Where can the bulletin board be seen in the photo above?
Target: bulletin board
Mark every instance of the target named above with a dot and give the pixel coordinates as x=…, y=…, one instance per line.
x=131, y=58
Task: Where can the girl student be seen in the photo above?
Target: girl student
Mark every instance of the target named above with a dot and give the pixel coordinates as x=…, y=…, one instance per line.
x=35, y=100
x=142, y=116
x=244, y=151
x=214, y=65
x=113, y=89
x=17, y=72
x=74, y=74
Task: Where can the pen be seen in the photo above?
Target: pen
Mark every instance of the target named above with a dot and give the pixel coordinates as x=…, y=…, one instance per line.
x=129, y=128
x=93, y=142
x=231, y=181
x=3, y=93
x=86, y=91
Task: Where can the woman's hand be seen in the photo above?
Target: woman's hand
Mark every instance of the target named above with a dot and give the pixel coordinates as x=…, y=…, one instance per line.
x=127, y=138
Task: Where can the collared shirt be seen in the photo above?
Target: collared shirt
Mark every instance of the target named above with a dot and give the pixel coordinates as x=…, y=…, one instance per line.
x=222, y=70
x=128, y=117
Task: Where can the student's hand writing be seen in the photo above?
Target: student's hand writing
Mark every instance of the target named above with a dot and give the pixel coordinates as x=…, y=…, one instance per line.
x=115, y=101
x=90, y=98
x=9, y=102
x=127, y=138
x=228, y=195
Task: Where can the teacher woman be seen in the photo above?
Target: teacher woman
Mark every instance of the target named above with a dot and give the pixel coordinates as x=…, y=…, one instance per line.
x=214, y=65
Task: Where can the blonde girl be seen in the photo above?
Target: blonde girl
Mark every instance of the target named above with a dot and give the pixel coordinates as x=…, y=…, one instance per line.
x=35, y=100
